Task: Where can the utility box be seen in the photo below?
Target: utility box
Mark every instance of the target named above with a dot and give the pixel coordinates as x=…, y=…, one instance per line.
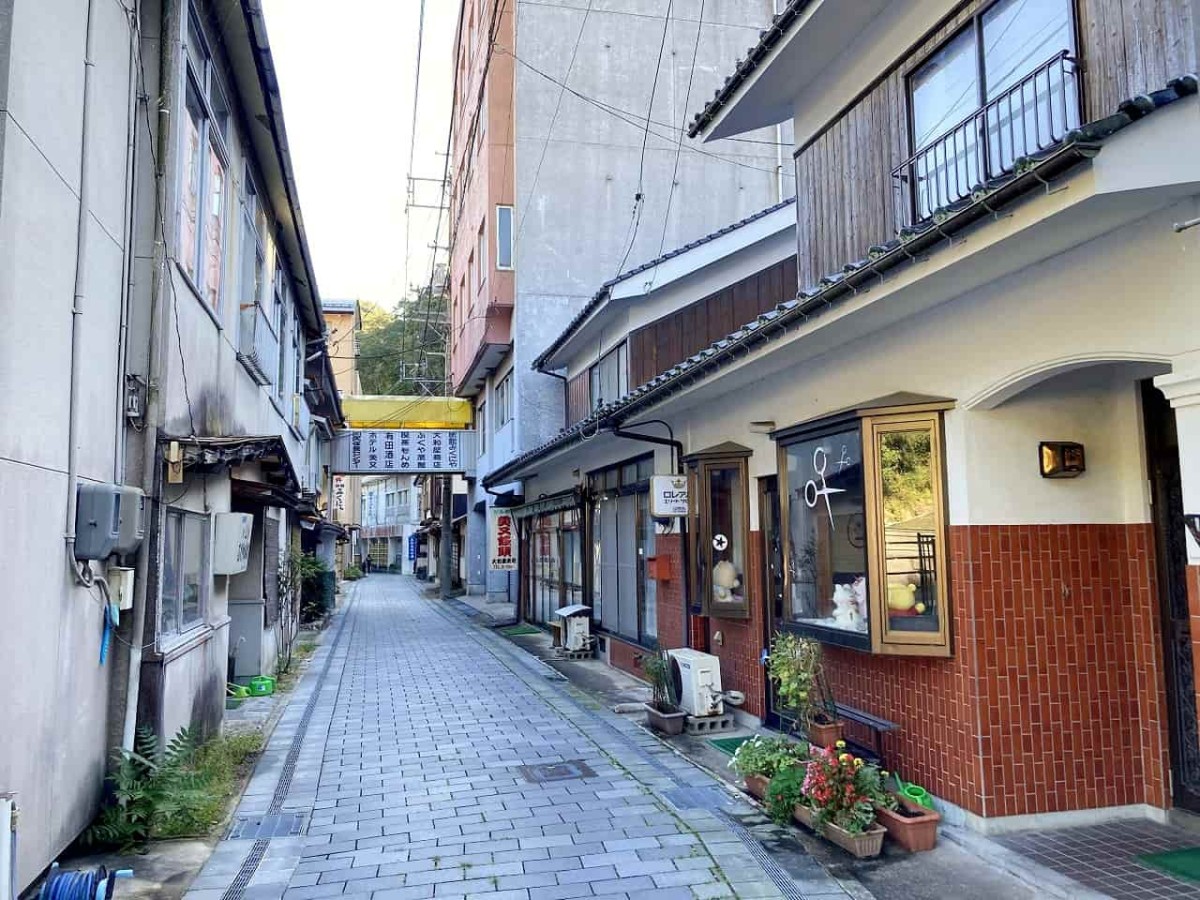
x=133, y=519
x=120, y=586
x=576, y=626
x=231, y=542
x=97, y=520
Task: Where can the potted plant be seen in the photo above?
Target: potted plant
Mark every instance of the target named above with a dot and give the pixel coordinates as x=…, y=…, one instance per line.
x=839, y=797
x=911, y=825
x=662, y=712
x=794, y=665
x=785, y=793
x=758, y=759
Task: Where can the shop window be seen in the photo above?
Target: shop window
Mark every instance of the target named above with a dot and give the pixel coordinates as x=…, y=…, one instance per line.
x=722, y=529
x=185, y=567
x=624, y=599
x=865, y=535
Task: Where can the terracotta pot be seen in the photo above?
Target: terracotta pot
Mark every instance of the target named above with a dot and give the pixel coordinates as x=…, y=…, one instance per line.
x=667, y=723
x=757, y=785
x=914, y=833
x=825, y=735
x=804, y=816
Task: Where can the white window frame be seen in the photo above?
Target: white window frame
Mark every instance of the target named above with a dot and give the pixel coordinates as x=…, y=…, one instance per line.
x=482, y=426
x=503, y=401
x=481, y=252
x=179, y=626
x=205, y=85
x=502, y=209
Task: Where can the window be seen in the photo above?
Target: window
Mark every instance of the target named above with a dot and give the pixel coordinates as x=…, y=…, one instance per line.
x=865, y=541
x=481, y=426
x=610, y=376
x=504, y=237
x=556, y=564
x=481, y=252
x=185, y=571
x=253, y=263
x=202, y=210
x=624, y=596
x=503, y=400
x=282, y=328
x=473, y=274
x=1001, y=89
x=721, y=526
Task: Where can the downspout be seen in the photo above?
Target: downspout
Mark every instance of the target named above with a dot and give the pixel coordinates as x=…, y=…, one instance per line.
x=154, y=366
x=566, y=399
x=778, y=138
x=685, y=555
x=127, y=281
x=82, y=574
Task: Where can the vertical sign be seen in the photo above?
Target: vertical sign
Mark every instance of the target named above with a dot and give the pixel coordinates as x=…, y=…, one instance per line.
x=339, y=493
x=412, y=547
x=502, y=542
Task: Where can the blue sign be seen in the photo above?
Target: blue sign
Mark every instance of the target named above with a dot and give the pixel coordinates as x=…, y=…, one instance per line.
x=412, y=546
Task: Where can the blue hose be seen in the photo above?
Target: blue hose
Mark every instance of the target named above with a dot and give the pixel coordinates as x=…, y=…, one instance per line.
x=94, y=885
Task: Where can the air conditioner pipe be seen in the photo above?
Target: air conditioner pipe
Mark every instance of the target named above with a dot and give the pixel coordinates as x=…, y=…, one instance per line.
x=677, y=446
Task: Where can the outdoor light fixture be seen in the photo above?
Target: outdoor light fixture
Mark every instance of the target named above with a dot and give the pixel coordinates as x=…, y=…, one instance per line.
x=1061, y=459
x=763, y=426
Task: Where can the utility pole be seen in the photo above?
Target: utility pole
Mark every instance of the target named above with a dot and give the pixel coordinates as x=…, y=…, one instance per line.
x=445, y=560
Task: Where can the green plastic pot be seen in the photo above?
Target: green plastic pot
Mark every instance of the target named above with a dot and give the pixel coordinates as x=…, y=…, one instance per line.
x=262, y=686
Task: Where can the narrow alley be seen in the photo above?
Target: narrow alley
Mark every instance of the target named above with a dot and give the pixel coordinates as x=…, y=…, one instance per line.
x=424, y=757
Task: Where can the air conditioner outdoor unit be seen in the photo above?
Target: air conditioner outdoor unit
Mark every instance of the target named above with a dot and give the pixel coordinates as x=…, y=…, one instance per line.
x=698, y=683
x=576, y=626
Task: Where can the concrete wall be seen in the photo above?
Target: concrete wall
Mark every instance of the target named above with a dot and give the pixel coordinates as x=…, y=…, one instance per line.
x=50, y=680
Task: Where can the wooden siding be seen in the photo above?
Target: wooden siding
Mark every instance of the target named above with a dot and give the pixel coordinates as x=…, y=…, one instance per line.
x=656, y=347
x=578, y=398
x=846, y=200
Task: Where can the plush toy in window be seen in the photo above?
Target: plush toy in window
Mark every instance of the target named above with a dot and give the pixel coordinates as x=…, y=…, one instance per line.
x=845, y=608
x=902, y=600
x=725, y=581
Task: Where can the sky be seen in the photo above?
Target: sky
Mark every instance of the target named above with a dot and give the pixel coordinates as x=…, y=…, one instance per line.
x=346, y=73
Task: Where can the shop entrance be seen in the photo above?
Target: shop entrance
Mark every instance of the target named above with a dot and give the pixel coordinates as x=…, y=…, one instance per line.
x=1162, y=454
x=772, y=532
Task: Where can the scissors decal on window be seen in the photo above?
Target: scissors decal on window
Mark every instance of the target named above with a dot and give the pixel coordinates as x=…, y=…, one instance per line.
x=813, y=493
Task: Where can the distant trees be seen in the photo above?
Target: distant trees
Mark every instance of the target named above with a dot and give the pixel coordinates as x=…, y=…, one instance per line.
x=403, y=351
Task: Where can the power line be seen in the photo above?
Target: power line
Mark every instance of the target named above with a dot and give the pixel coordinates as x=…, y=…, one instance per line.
x=412, y=144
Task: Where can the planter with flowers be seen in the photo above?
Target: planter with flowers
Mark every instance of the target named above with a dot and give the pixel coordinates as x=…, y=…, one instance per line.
x=759, y=759
x=794, y=667
x=838, y=796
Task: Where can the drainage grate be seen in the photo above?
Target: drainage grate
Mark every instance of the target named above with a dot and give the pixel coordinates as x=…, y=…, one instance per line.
x=541, y=773
x=778, y=875
x=237, y=890
x=253, y=828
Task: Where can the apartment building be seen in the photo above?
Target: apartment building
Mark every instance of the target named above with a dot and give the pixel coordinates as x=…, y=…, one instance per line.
x=959, y=455
x=390, y=517
x=169, y=393
x=343, y=318
x=568, y=163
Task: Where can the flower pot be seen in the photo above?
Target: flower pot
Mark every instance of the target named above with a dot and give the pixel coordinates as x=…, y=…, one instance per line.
x=667, y=723
x=804, y=815
x=825, y=735
x=863, y=846
x=914, y=832
x=757, y=785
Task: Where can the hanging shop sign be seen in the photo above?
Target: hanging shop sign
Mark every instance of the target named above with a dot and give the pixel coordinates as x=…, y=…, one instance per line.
x=502, y=541
x=668, y=496
x=339, y=494
x=412, y=547
x=417, y=451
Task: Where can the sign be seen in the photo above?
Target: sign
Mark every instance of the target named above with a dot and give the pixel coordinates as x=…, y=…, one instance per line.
x=668, y=496
x=339, y=494
x=502, y=541
x=397, y=451
x=231, y=543
x=412, y=547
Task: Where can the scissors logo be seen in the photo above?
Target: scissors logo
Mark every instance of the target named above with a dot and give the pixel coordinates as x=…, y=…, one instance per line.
x=813, y=493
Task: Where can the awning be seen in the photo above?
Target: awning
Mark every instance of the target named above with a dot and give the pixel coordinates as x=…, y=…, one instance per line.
x=214, y=454
x=407, y=412
x=551, y=503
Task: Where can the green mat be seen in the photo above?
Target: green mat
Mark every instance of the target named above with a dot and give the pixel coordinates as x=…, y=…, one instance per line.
x=728, y=746
x=1180, y=863
x=516, y=630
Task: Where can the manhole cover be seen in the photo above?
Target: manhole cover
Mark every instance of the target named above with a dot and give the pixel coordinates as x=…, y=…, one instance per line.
x=559, y=771
x=252, y=828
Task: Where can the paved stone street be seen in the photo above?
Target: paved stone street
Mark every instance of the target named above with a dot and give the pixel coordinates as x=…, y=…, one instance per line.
x=423, y=756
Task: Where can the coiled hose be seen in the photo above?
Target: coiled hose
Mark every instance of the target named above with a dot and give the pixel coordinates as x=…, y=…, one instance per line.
x=96, y=884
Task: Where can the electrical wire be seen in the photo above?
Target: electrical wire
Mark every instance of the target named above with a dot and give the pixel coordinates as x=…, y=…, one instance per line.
x=412, y=142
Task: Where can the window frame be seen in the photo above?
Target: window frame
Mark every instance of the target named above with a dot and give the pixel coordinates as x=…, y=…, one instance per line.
x=700, y=468
x=500, y=266
x=596, y=375
x=179, y=628
x=212, y=134
x=503, y=400
x=481, y=426
x=873, y=423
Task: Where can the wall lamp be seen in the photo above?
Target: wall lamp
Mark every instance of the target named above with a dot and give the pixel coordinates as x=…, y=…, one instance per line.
x=1061, y=459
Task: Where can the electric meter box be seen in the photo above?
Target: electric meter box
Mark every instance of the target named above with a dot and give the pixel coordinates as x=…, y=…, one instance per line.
x=231, y=542
x=133, y=519
x=97, y=520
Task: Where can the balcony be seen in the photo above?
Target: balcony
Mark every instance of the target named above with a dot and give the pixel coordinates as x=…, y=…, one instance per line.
x=258, y=348
x=1027, y=120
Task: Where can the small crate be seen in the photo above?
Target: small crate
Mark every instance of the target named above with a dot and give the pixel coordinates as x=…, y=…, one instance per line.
x=708, y=724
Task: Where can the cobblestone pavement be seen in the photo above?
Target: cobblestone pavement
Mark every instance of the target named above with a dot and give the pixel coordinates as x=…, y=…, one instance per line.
x=426, y=757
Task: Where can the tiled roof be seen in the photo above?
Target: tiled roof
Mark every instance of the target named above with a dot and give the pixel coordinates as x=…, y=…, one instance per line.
x=768, y=38
x=602, y=294
x=1029, y=174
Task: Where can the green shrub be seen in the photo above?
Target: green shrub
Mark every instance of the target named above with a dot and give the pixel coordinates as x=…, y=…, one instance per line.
x=352, y=573
x=784, y=792
x=765, y=756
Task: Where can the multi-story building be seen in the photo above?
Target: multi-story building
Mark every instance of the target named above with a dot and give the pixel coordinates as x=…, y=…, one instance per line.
x=960, y=456
x=344, y=321
x=163, y=332
x=568, y=159
x=390, y=515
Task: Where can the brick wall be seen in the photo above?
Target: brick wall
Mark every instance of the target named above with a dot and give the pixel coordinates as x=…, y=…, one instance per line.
x=742, y=643
x=1054, y=697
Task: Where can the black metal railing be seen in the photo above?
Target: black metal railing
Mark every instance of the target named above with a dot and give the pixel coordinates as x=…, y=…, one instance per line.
x=1028, y=118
